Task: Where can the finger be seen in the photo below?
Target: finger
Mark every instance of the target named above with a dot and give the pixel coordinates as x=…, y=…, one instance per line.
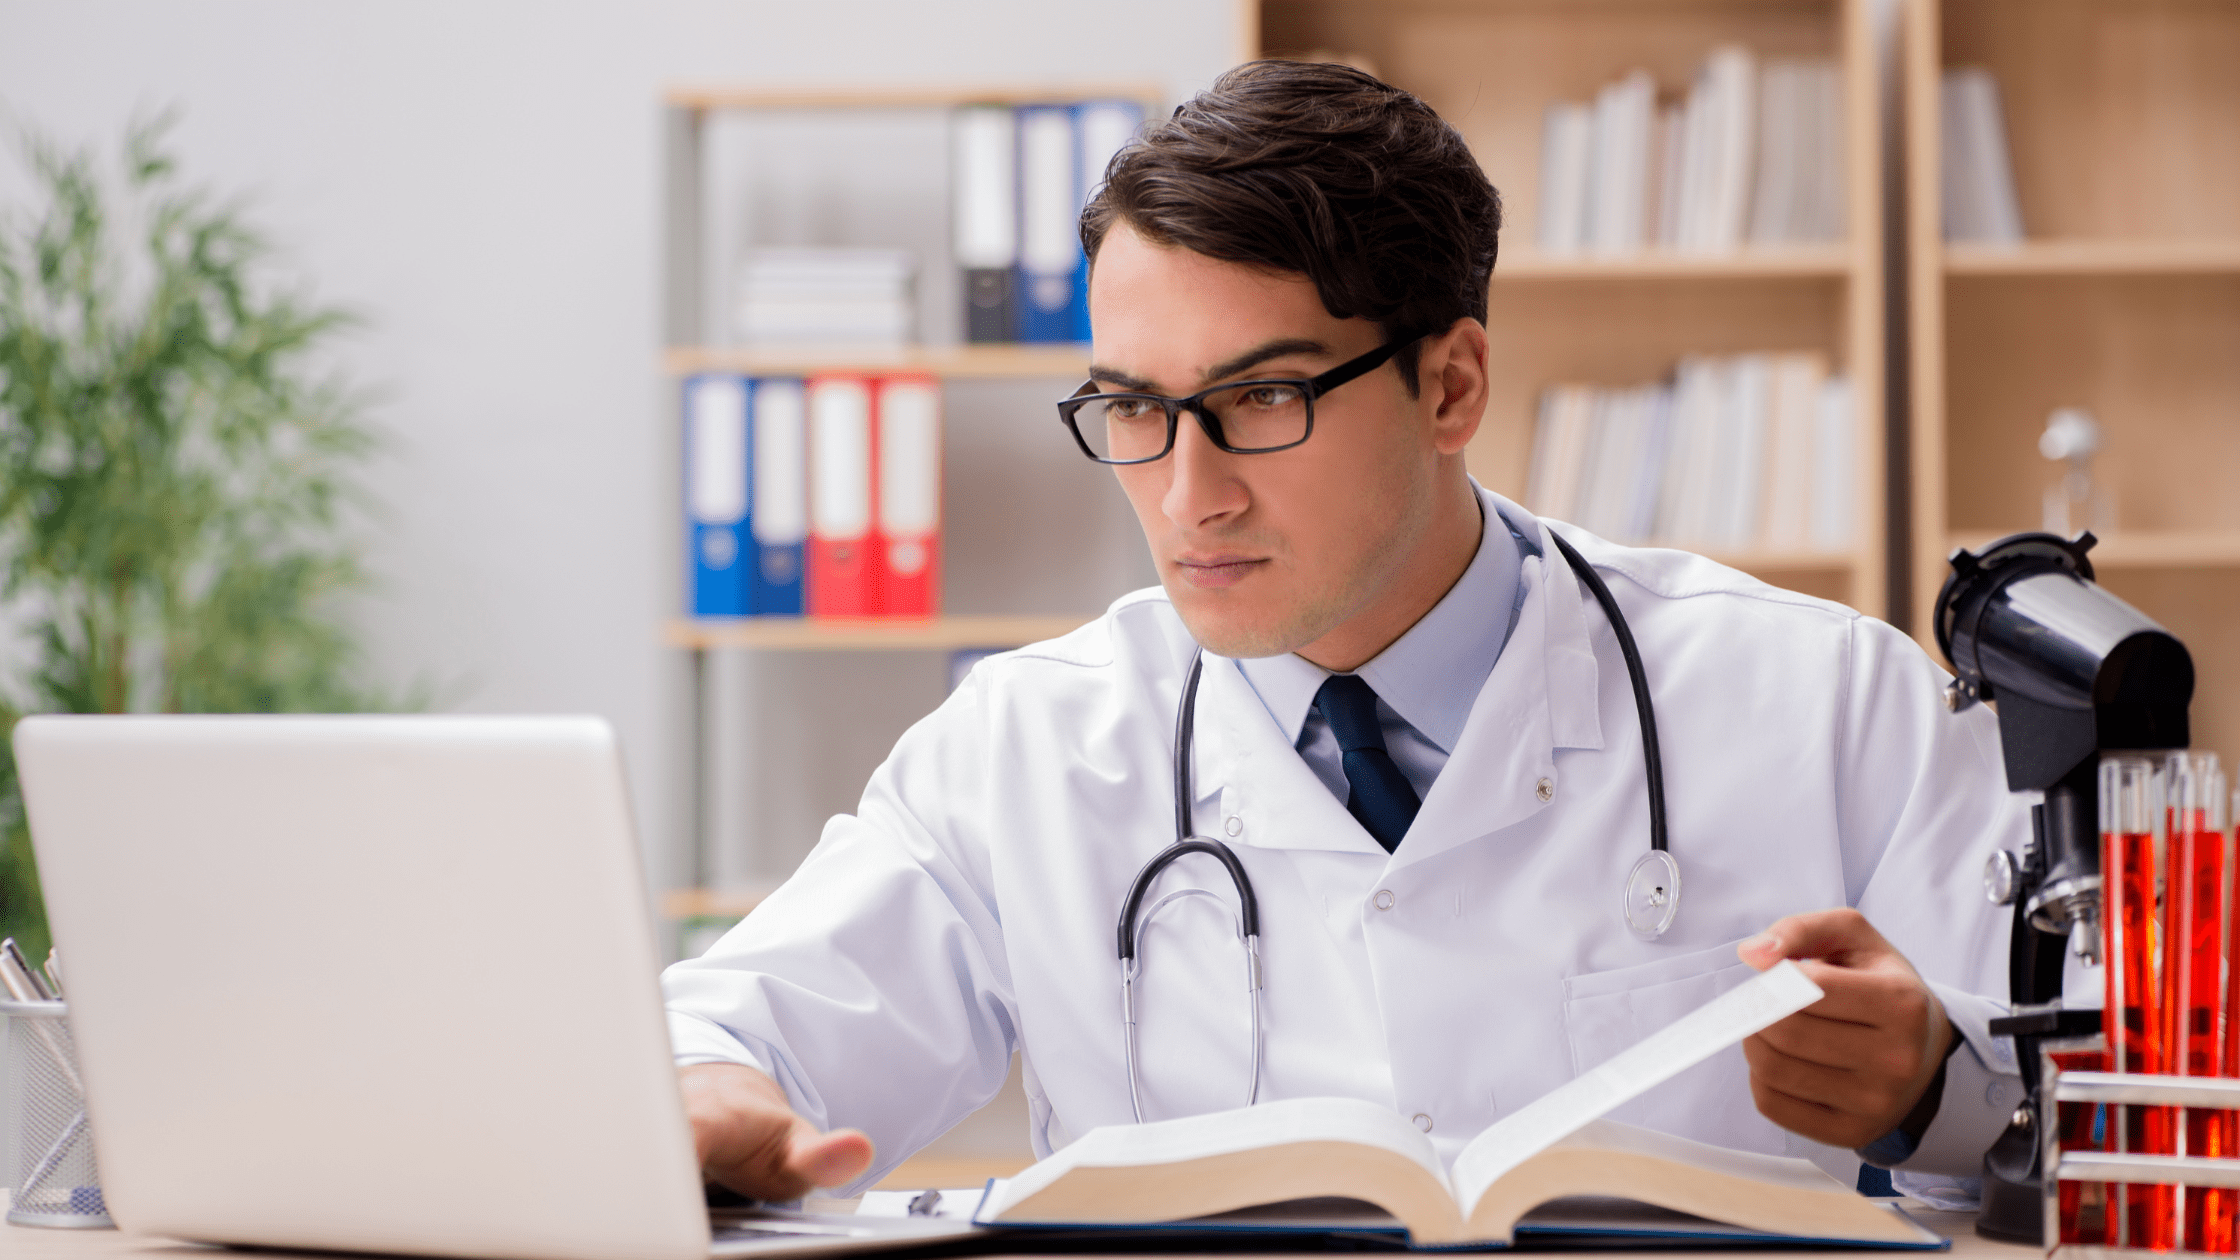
x=1903, y=1060
x=758, y=1165
x=1876, y=1103
x=1810, y=1119
x=1842, y=935
x=1831, y=1087
x=1833, y=1043
x=828, y=1159
x=1882, y=997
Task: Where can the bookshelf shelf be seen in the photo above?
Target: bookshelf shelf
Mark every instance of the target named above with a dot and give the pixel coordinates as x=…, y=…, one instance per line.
x=2123, y=124
x=982, y=362
x=2144, y=549
x=905, y=96
x=713, y=903
x=1831, y=262
x=821, y=634
x=2096, y=258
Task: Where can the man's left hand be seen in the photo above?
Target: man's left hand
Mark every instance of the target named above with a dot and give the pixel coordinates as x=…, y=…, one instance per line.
x=1848, y=1068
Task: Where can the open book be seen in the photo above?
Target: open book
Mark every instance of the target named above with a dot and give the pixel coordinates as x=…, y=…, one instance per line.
x=1556, y=1148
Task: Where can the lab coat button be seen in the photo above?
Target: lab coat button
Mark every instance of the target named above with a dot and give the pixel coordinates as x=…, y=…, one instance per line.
x=1545, y=789
x=1235, y=825
x=1384, y=899
x=1423, y=1122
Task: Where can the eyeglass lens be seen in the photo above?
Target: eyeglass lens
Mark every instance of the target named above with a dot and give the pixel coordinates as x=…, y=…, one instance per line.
x=1252, y=416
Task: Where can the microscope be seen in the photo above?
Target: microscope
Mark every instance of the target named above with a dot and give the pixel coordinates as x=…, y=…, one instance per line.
x=2073, y=672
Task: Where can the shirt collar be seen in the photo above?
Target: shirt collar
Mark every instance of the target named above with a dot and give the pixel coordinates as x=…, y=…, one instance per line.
x=1431, y=675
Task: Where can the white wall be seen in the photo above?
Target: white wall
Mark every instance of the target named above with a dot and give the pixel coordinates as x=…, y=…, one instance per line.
x=483, y=182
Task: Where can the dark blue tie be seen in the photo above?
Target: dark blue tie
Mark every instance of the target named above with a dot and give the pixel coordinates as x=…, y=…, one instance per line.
x=1381, y=799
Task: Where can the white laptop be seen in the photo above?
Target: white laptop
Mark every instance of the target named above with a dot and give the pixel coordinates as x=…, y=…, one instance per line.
x=375, y=984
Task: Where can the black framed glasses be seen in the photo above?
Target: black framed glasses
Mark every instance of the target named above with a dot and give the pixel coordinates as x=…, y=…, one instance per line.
x=1242, y=417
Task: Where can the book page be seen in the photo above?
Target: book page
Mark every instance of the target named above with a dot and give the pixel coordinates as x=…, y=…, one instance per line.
x=1755, y=1004
x=1268, y=1125
x=1742, y=1191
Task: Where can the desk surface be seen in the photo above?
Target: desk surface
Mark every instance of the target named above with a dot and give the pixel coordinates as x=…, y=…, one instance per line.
x=21, y=1243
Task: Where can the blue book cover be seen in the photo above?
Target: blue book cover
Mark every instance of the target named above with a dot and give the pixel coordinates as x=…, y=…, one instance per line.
x=1101, y=129
x=1049, y=287
x=715, y=495
x=779, y=519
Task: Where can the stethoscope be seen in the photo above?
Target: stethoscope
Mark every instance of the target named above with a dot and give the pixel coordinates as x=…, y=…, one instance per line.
x=1650, y=899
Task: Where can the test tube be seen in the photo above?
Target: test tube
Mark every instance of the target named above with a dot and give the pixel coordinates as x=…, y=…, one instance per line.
x=2130, y=818
x=2196, y=940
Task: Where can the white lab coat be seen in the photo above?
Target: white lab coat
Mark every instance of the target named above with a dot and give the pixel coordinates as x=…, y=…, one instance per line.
x=968, y=908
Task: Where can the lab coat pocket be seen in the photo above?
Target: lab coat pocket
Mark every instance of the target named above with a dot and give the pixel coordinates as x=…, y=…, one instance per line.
x=1607, y=1011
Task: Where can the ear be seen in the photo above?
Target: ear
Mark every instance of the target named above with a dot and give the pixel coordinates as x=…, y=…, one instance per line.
x=1452, y=383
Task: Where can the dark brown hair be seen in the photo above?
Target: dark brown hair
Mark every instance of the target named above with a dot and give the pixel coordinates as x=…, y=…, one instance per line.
x=1323, y=171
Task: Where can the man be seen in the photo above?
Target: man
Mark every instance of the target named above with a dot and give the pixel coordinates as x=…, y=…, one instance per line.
x=1414, y=730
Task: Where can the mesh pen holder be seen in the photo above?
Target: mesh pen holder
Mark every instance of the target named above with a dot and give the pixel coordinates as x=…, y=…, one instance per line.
x=56, y=1181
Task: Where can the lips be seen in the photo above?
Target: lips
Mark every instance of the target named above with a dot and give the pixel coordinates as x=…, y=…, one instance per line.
x=1217, y=571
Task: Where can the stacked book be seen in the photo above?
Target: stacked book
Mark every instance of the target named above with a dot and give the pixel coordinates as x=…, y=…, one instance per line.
x=826, y=297
x=1979, y=201
x=1751, y=152
x=1748, y=452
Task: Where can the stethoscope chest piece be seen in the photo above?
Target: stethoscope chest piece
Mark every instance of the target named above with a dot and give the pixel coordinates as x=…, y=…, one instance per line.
x=1652, y=894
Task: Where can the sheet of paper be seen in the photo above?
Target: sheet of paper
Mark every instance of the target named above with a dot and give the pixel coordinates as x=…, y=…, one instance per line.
x=1756, y=1003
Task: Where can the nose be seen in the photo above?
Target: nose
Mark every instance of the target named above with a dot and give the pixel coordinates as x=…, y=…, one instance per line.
x=1204, y=487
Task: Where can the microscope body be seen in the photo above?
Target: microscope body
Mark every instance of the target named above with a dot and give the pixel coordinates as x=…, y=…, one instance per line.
x=2074, y=672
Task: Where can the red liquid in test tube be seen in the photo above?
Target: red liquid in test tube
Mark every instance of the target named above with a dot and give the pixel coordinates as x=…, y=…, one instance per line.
x=2130, y=809
x=2196, y=942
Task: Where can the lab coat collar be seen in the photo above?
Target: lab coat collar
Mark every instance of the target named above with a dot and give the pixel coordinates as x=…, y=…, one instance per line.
x=1540, y=697
x=1269, y=798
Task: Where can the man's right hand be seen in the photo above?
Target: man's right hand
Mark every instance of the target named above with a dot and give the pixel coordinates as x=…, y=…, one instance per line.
x=750, y=1140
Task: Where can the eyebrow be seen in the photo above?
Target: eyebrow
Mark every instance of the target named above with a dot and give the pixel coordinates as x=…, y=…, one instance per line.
x=1230, y=367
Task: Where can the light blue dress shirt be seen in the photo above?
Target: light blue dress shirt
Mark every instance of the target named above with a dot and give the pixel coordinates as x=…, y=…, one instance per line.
x=1426, y=681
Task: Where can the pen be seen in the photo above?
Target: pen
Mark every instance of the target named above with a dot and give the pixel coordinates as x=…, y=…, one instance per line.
x=24, y=987
x=54, y=972
x=23, y=983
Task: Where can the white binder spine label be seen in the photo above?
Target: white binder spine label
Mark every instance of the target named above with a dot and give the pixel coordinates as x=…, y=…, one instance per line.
x=781, y=464
x=840, y=458
x=717, y=447
x=909, y=458
x=987, y=223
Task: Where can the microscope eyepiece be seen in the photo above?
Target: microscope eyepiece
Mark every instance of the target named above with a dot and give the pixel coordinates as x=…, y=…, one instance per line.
x=2074, y=669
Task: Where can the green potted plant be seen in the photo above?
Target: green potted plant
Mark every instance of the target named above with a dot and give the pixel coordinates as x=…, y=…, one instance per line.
x=175, y=468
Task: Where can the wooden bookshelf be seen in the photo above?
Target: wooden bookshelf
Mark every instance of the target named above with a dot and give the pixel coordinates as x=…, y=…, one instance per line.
x=1491, y=67
x=1004, y=361
x=905, y=96
x=2145, y=549
x=867, y=634
x=2123, y=120
x=2095, y=258
x=1829, y=262
x=713, y=903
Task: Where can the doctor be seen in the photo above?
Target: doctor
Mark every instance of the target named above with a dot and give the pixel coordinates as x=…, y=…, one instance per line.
x=1414, y=730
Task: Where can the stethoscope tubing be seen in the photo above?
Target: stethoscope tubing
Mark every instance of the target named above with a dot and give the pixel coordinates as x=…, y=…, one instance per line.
x=1652, y=752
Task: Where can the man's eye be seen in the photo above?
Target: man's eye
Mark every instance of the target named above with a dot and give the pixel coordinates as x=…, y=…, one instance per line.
x=1272, y=395
x=1128, y=408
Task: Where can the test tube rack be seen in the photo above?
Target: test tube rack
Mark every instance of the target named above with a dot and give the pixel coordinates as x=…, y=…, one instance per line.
x=2118, y=1167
